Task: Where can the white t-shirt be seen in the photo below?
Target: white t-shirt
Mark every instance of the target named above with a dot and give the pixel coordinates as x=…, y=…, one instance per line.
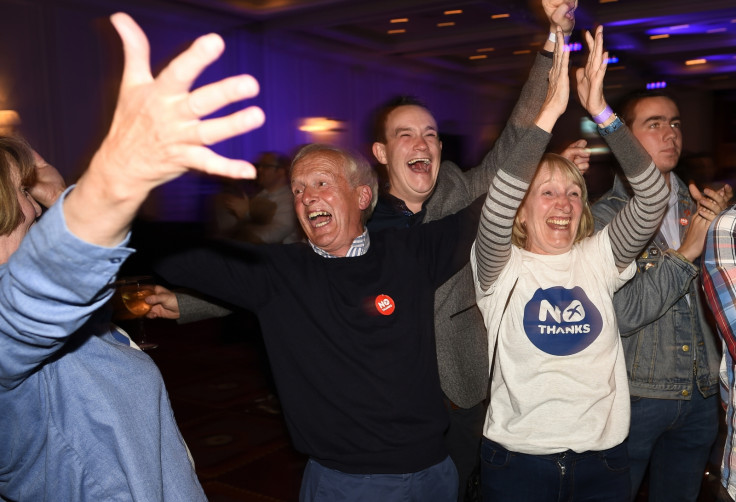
x=559, y=381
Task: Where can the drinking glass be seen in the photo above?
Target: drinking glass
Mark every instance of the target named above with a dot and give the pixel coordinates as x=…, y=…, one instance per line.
x=132, y=293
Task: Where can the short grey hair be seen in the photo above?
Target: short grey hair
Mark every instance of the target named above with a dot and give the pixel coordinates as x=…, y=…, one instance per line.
x=357, y=170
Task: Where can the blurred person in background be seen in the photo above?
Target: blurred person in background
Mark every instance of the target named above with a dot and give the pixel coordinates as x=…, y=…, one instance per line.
x=267, y=217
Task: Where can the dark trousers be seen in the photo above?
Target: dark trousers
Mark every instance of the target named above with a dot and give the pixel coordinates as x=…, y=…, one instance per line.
x=462, y=441
x=600, y=476
x=321, y=484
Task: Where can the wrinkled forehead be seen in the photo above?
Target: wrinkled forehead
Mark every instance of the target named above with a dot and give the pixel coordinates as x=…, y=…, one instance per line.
x=323, y=162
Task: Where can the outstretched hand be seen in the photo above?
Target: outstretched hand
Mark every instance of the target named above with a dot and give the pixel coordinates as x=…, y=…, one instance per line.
x=158, y=133
x=590, y=77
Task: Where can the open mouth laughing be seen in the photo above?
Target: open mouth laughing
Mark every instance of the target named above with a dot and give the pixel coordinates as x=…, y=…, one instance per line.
x=319, y=218
x=419, y=165
x=558, y=223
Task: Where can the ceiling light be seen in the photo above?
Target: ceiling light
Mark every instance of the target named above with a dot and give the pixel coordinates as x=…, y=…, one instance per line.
x=400, y=20
x=656, y=37
x=394, y=32
x=500, y=16
x=679, y=27
x=692, y=62
x=452, y=12
x=9, y=118
x=607, y=1
x=442, y=25
x=321, y=124
x=524, y=51
x=479, y=56
x=485, y=49
x=716, y=30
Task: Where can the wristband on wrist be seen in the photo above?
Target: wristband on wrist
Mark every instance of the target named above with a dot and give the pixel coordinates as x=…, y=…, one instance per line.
x=612, y=127
x=553, y=38
x=603, y=116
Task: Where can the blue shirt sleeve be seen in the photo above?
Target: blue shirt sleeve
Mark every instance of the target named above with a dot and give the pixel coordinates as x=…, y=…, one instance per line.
x=48, y=288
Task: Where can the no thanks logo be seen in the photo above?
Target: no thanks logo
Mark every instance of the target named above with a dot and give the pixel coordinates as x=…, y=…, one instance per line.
x=561, y=321
x=385, y=305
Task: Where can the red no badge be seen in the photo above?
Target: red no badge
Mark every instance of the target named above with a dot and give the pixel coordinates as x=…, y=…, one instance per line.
x=385, y=304
x=683, y=221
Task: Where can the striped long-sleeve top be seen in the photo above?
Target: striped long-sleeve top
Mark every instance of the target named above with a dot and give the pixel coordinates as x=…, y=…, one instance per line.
x=629, y=231
x=556, y=348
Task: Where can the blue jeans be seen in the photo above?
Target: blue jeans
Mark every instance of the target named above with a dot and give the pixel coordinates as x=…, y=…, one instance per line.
x=674, y=437
x=437, y=483
x=508, y=476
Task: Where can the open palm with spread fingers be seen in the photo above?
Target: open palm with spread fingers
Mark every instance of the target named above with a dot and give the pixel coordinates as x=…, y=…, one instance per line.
x=158, y=133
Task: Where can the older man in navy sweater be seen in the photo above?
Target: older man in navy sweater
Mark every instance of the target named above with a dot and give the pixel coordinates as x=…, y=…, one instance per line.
x=347, y=322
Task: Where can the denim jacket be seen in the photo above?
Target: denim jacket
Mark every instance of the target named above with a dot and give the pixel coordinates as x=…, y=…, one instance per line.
x=667, y=340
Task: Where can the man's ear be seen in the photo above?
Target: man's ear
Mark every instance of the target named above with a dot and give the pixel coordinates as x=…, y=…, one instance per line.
x=379, y=152
x=365, y=196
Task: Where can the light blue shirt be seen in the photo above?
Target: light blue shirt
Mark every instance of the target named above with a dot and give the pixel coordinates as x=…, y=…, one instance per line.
x=84, y=417
x=670, y=226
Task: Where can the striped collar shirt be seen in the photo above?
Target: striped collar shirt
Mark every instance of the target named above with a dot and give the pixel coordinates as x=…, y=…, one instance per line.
x=359, y=247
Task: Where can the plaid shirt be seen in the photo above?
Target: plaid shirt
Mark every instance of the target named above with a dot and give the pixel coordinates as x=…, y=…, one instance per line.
x=719, y=276
x=719, y=283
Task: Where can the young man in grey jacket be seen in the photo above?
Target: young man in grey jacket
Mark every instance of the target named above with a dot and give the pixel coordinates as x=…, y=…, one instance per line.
x=423, y=189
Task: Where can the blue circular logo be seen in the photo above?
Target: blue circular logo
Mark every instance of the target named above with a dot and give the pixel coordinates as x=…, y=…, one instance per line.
x=561, y=321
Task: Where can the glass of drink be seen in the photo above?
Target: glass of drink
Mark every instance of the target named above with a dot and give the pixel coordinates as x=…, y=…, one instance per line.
x=132, y=293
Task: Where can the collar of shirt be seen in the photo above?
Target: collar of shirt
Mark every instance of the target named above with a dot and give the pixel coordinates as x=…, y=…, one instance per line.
x=671, y=222
x=359, y=247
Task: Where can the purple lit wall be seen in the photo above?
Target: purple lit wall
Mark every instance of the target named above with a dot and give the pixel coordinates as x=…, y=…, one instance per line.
x=65, y=62
x=63, y=72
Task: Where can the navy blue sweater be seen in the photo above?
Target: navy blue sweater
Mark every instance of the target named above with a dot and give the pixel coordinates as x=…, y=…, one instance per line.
x=359, y=388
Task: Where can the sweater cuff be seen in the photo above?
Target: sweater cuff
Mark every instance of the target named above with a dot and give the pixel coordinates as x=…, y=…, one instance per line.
x=631, y=156
x=527, y=154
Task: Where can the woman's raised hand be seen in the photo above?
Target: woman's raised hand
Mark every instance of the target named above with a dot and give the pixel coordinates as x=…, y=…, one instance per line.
x=590, y=77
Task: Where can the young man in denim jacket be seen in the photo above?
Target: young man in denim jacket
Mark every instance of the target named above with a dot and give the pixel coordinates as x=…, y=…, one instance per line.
x=672, y=355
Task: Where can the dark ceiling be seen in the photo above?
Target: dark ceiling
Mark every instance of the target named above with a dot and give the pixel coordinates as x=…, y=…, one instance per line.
x=653, y=40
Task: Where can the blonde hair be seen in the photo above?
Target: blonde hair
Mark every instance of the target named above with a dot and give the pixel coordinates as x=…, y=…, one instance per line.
x=559, y=163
